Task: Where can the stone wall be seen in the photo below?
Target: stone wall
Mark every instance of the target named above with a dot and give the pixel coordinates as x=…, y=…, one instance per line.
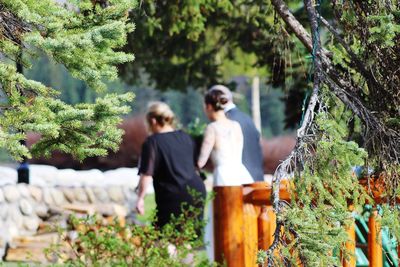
x=23, y=208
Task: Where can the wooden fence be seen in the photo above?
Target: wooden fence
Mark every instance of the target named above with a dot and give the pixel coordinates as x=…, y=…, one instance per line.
x=244, y=222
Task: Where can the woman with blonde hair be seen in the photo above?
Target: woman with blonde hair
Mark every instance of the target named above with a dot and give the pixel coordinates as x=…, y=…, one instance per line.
x=167, y=159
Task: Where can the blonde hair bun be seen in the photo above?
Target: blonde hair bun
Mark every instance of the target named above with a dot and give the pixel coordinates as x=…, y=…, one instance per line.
x=161, y=112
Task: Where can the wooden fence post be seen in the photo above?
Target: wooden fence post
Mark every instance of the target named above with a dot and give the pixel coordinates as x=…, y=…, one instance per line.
x=375, y=256
x=250, y=235
x=351, y=247
x=266, y=227
x=228, y=226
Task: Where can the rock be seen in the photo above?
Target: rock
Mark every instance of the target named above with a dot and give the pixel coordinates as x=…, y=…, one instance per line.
x=42, y=175
x=90, y=194
x=115, y=193
x=130, y=196
x=67, y=177
x=91, y=177
x=47, y=197
x=122, y=176
x=80, y=195
x=112, y=210
x=44, y=172
x=3, y=211
x=41, y=210
x=2, y=199
x=58, y=196
x=8, y=176
x=69, y=194
x=2, y=241
x=37, y=181
x=132, y=200
x=127, y=192
x=25, y=207
x=101, y=194
x=36, y=193
x=120, y=211
x=23, y=190
x=31, y=223
x=16, y=217
x=11, y=193
x=12, y=230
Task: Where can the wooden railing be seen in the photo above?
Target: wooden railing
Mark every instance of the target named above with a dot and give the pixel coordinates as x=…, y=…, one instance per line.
x=244, y=222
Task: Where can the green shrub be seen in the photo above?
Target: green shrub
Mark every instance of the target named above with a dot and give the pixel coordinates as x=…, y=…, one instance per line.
x=178, y=243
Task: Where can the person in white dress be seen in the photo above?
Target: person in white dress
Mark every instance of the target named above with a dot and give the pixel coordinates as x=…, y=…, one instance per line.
x=223, y=142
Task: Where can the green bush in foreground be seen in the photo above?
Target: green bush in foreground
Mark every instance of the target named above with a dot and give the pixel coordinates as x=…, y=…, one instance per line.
x=98, y=244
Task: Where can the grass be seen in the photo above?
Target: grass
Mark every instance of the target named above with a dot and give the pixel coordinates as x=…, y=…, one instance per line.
x=149, y=208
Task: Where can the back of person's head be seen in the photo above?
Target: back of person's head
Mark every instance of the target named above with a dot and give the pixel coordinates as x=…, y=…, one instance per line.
x=223, y=89
x=161, y=112
x=217, y=99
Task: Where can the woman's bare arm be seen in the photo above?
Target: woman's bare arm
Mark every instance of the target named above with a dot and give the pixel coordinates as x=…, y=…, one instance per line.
x=144, y=183
x=207, y=146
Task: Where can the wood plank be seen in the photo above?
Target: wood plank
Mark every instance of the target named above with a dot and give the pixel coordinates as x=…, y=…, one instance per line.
x=37, y=241
x=266, y=227
x=26, y=254
x=351, y=247
x=80, y=208
x=259, y=195
x=375, y=256
x=251, y=235
x=228, y=225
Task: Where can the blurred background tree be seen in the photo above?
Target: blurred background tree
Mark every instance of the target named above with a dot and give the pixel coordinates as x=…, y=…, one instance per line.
x=206, y=42
x=187, y=104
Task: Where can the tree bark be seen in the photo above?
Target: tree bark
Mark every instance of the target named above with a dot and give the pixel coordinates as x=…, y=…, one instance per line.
x=292, y=22
x=281, y=172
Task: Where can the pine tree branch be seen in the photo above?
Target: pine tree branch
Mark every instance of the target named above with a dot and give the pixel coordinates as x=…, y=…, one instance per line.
x=380, y=139
x=302, y=34
x=282, y=170
x=295, y=25
x=68, y=37
x=11, y=27
x=383, y=139
x=372, y=82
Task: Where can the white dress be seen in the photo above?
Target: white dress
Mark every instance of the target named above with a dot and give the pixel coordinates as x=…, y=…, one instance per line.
x=223, y=141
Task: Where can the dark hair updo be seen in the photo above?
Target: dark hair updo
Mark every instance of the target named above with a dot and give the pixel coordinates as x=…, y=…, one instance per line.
x=216, y=98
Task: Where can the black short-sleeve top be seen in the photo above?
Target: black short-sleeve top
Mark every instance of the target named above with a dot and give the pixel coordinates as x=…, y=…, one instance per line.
x=169, y=159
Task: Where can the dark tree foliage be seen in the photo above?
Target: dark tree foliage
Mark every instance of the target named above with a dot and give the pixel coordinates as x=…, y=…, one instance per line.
x=372, y=31
x=185, y=44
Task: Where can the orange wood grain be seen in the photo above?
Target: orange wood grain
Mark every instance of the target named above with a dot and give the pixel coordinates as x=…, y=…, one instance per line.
x=251, y=235
x=375, y=255
x=228, y=226
x=351, y=247
x=266, y=227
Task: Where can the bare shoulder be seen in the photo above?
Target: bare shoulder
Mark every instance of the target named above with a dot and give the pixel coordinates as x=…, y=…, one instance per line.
x=212, y=124
x=211, y=127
